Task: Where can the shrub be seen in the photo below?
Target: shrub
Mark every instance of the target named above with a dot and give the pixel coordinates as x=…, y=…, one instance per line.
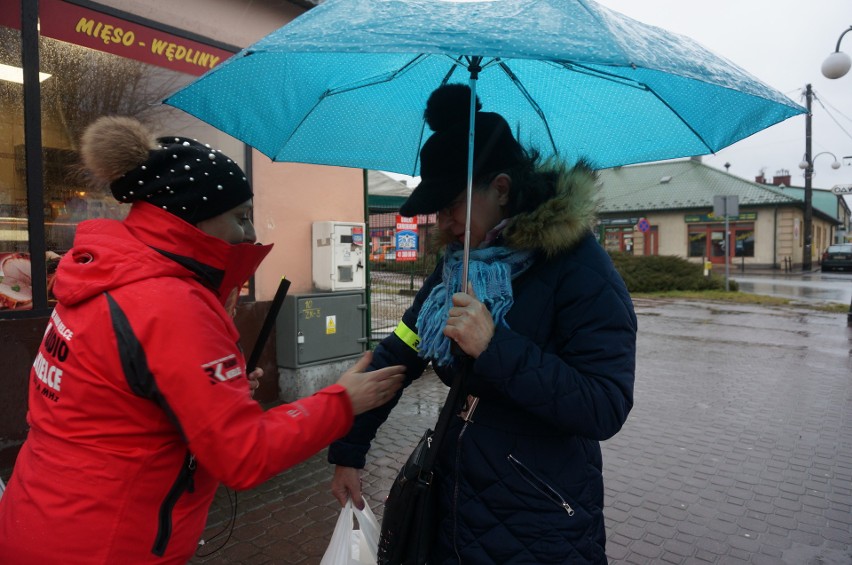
x=655, y=273
x=660, y=273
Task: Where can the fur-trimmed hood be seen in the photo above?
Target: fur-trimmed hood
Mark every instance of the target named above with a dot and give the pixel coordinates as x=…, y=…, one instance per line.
x=560, y=222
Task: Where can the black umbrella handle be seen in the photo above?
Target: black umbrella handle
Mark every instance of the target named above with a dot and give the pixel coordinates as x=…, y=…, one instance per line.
x=268, y=324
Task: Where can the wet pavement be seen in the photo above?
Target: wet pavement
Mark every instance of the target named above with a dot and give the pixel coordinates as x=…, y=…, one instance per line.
x=738, y=449
x=806, y=287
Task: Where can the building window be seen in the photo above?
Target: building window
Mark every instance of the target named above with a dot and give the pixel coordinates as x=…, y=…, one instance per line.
x=618, y=239
x=708, y=240
x=698, y=244
x=744, y=241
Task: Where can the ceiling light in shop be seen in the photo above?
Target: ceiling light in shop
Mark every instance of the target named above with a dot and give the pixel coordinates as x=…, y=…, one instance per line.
x=16, y=74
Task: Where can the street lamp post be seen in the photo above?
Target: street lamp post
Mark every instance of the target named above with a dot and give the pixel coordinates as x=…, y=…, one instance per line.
x=809, y=171
x=835, y=65
x=808, y=165
x=838, y=63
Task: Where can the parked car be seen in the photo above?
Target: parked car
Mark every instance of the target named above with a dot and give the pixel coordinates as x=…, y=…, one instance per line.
x=837, y=257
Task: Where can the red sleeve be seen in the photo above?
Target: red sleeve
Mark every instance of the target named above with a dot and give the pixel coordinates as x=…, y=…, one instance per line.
x=248, y=446
x=200, y=372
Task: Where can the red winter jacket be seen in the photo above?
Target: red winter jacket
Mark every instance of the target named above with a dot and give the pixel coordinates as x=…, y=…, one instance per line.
x=139, y=404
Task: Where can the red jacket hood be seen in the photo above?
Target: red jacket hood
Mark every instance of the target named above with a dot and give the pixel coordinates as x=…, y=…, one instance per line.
x=150, y=242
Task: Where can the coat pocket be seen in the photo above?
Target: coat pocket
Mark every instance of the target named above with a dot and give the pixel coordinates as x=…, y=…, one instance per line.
x=541, y=485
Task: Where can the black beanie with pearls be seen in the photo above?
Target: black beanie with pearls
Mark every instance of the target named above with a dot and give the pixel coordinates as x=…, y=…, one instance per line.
x=182, y=176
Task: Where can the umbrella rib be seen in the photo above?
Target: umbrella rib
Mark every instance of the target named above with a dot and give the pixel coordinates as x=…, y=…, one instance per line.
x=516, y=81
x=387, y=77
x=373, y=81
x=682, y=120
x=632, y=84
x=612, y=77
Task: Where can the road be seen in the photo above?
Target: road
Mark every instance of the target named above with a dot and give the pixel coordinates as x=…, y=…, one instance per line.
x=810, y=287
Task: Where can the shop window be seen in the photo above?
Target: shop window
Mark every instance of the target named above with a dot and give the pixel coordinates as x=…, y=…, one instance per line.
x=110, y=76
x=15, y=280
x=708, y=240
x=698, y=244
x=618, y=240
x=744, y=240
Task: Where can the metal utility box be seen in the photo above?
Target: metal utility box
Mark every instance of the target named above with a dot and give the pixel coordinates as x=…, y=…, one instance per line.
x=339, y=260
x=321, y=327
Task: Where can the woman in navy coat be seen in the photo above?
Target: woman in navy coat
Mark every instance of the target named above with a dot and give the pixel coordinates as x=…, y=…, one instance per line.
x=551, y=333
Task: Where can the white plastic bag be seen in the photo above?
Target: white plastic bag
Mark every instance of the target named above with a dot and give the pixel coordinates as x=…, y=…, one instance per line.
x=351, y=545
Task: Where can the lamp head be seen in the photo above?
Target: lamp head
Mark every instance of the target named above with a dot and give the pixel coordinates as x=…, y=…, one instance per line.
x=835, y=165
x=836, y=65
x=803, y=165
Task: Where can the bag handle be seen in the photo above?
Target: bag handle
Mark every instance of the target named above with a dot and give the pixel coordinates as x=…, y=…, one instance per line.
x=447, y=411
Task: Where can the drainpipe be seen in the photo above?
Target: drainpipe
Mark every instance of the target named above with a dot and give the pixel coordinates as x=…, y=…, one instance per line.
x=775, y=239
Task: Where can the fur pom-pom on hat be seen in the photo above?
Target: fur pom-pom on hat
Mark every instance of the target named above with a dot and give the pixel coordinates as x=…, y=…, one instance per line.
x=443, y=158
x=114, y=145
x=449, y=106
x=182, y=176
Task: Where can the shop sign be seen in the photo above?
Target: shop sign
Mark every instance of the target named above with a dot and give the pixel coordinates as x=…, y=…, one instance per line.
x=710, y=218
x=406, y=238
x=618, y=221
x=95, y=30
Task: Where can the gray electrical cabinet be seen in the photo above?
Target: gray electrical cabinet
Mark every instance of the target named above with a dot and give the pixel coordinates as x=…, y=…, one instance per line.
x=320, y=328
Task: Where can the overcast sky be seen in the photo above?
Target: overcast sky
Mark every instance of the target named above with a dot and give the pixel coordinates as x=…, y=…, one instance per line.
x=783, y=43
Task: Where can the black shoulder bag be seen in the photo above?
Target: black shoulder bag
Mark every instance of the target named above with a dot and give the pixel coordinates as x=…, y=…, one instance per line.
x=410, y=519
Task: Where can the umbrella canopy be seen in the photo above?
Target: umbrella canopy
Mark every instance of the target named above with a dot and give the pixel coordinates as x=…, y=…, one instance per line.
x=346, y=83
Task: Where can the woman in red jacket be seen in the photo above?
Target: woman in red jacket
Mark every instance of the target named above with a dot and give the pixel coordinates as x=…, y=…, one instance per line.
x=139, y=401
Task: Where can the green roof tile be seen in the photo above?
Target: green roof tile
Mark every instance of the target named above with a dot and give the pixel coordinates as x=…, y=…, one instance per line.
x=682, y=184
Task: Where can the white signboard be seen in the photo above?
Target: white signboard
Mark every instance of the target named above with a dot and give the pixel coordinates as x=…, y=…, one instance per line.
x=842, y=189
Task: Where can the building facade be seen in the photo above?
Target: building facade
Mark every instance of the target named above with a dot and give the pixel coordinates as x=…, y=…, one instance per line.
x=667, y=208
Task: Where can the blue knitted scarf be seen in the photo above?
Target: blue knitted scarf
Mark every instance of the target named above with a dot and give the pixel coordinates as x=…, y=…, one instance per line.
x=490, y=272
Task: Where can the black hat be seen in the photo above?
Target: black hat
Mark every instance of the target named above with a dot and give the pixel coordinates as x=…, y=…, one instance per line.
x=182, y=176
x=443, y=158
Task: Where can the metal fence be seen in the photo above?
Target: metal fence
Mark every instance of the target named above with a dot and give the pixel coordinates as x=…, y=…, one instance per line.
x=392, y=284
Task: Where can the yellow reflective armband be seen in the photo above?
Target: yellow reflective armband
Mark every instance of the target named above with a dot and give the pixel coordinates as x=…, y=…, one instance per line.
x=410, y=338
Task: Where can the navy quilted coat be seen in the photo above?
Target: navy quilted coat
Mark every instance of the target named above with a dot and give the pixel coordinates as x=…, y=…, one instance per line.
x=521, y=482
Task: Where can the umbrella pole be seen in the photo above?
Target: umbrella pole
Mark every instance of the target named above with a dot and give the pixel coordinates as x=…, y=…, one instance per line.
x=474, y=69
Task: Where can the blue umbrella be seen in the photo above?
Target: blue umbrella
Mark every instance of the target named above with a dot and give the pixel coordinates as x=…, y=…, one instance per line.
x=346, y=83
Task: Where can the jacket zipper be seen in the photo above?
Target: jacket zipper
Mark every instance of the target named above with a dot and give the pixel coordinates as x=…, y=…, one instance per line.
x=539, y=485
x=184, y=483
x=456, y=491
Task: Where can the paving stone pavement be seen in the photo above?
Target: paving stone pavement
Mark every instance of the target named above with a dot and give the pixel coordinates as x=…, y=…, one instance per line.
x=738, y=449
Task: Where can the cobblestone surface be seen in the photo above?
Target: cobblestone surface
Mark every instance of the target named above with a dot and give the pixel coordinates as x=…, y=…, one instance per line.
x=738, y=450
